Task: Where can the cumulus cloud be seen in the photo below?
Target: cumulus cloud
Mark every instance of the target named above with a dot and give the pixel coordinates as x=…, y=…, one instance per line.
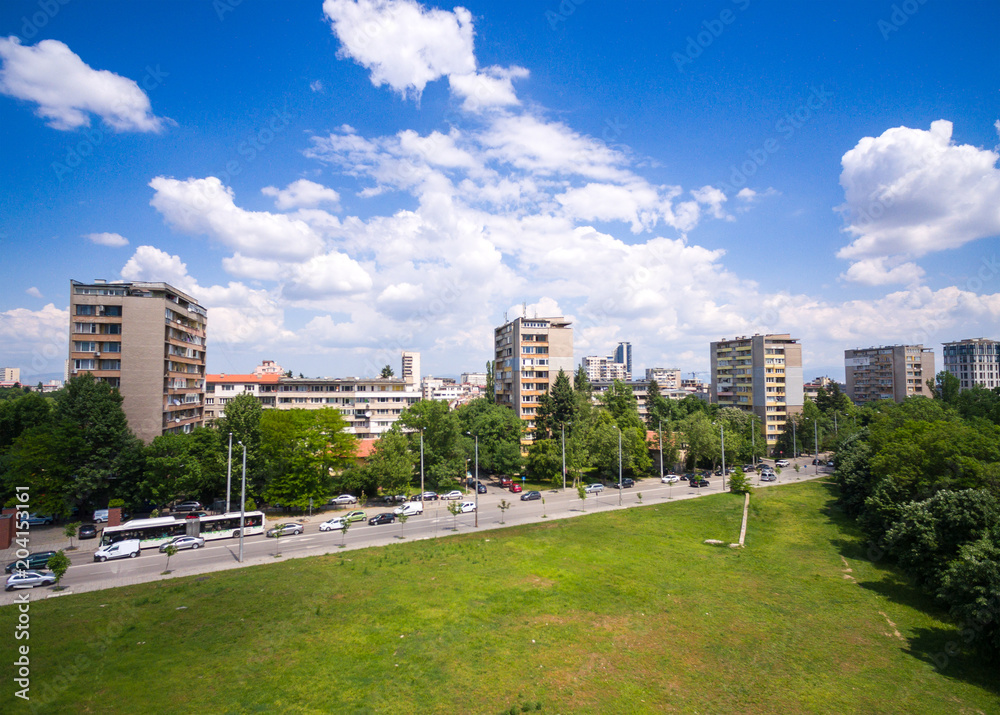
x=401, y=43
x=114, y=240
x=149, y=263
x=34, y=292
x=883, y=271
x=67, y=91
x=205, y=206
x=35, y=340
x=301, y=193
x=911, y=192
x=490, y=87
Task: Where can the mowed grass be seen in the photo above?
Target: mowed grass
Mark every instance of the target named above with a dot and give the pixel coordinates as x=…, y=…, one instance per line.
x=616, y=612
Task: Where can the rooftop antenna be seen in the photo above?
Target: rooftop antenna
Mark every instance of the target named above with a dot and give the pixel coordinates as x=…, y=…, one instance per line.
x=524, y=310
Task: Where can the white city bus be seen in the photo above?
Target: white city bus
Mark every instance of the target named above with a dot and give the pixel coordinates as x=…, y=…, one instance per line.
x=153, y=532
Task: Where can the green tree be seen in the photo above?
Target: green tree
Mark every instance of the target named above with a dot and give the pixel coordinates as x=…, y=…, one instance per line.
x=171, y=472
x=169, y=550
x=444, y=452
x=391, y=463
x=659, y=410
x=242, y=417
x=70, y=532
x=59, y=564
x=20, y=413
x=739, y=483
x=491, y=382
x=701, y=438
x=945, y=387
x=623, y=406
x=302, y=449
x=44, y=458
x=544, y=461
x=499, y=431
x=387, y=372
x=970, y=586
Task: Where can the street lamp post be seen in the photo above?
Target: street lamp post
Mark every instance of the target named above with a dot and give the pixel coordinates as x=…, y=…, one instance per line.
x=816, y=441
x=422, y=464
x=619, y=464
x=795, y=448
x=753, y=441
x=229, y=472
x=243, y=499
x=564, y=455
x=660, y=436
x=477, y=476
x=722, y=437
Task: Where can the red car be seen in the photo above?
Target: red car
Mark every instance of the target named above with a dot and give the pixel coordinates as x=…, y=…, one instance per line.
x=515, y=488
x=506, y=481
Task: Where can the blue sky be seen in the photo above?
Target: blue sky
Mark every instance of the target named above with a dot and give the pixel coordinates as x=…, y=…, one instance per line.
x=340, y=181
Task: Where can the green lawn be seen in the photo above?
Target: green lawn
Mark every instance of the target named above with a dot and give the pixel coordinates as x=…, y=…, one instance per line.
x=619, y=612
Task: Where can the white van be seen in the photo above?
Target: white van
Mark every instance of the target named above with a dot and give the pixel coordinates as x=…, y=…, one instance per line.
x=118, y=550
x=100, y=515
x=410, y=508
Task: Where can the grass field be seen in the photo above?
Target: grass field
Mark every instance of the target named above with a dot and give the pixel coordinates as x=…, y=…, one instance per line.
x=618, y=612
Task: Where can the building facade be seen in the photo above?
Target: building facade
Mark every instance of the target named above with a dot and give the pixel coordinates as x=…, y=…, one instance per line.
x=889, y=372
x=666, y=378
x=149, y=341
x=623, y=356
x=974, y=361
x=529, y=352
x=603, y=368
x=759, y=374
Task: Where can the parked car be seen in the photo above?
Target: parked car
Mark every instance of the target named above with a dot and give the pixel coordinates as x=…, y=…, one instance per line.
x=531, y=496
x=481, y=488
x=687, y=476
x=127, y=548
x=87, y=531
x=781, y=463
x=354, y=516
x=669, y=479
x=334, y=524
x=749, y=467
x=506, y=482
x=287, y=529
x=594, y=488
x=410, y=508
x=698, y=482
x=35, y=519
x=816, y=460
x=829, y=462
x=468, y=506
x=385, y=517
x=453, y=494
x=769, y=477
x=516, y=488
x=394, y=499
x=30, y=579
x=429, y=496
x=183, y=542
x=33, y=562
x=625, y=483
x=346, y=499
x=195, y=514
x=187, y=506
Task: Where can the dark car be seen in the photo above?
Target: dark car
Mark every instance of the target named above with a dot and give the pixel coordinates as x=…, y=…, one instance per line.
x=35, y=561
x=816, y=460
x=687, y=476
x=625, y=483
x=481, y=488
x=531, y=496
x=383, y=518
x=698, y=482
x=429, y=496
x=88, y=531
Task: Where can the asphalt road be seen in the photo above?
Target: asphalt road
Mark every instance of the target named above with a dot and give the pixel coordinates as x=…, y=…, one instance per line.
x=87, y=575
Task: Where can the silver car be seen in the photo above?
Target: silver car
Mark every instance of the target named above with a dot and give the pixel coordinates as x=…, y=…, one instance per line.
x=30, y=579
x=183, y=542
x=285, y=529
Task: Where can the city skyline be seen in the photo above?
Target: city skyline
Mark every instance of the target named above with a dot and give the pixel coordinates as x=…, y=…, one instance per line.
x=339, y=182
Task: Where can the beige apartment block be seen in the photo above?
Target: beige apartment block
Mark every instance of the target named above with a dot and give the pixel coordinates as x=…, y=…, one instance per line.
x=974, y=361
x=759, y=374
x=529, y=352
x=149, y=341
x=888, y=372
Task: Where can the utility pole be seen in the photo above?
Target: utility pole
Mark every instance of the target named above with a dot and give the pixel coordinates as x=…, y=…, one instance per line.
x=722, y=438
x=564, y=454
x=660, y=434
x=243, y=499
x=229, y=472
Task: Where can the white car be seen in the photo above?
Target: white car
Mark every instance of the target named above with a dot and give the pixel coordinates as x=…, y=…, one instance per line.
x=454, y=494
x=346, y=499
x=781, y=463
x=594, y=488
x=334, y=524
x=467, y=506
x=669, y=479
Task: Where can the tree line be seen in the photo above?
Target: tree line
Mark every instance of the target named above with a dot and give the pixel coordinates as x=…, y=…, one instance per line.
x=922, y=479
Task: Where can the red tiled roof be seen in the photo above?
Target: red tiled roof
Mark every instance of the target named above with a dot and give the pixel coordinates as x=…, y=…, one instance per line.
x=251, y=378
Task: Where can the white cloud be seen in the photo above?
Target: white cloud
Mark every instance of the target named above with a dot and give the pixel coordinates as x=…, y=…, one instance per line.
x=401, y=43
x=114, y=240
x=491, y=87
x=883, y=271
x=317, y=86
x=67, y=91
x=34, y=292
x=327, y=275
x=35, y=340
x=301, y=193
x=911, y=192
x=206, y=206
x=151, y=264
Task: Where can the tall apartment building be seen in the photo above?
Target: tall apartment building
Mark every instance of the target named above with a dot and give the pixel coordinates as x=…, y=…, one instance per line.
x=974, y=361
x=529, y=352
x=603, y=368
x=666, y=378
x=760, y=374
x=623, y=356
x=149, y=341
x=890, y=372
x=411, y=368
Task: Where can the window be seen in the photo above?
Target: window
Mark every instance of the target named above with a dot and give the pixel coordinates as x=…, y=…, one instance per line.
x=84, y=346
x=111, y=364
x=85, y=310
x=84, y=364
x=111, y=347
x=113, y=310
